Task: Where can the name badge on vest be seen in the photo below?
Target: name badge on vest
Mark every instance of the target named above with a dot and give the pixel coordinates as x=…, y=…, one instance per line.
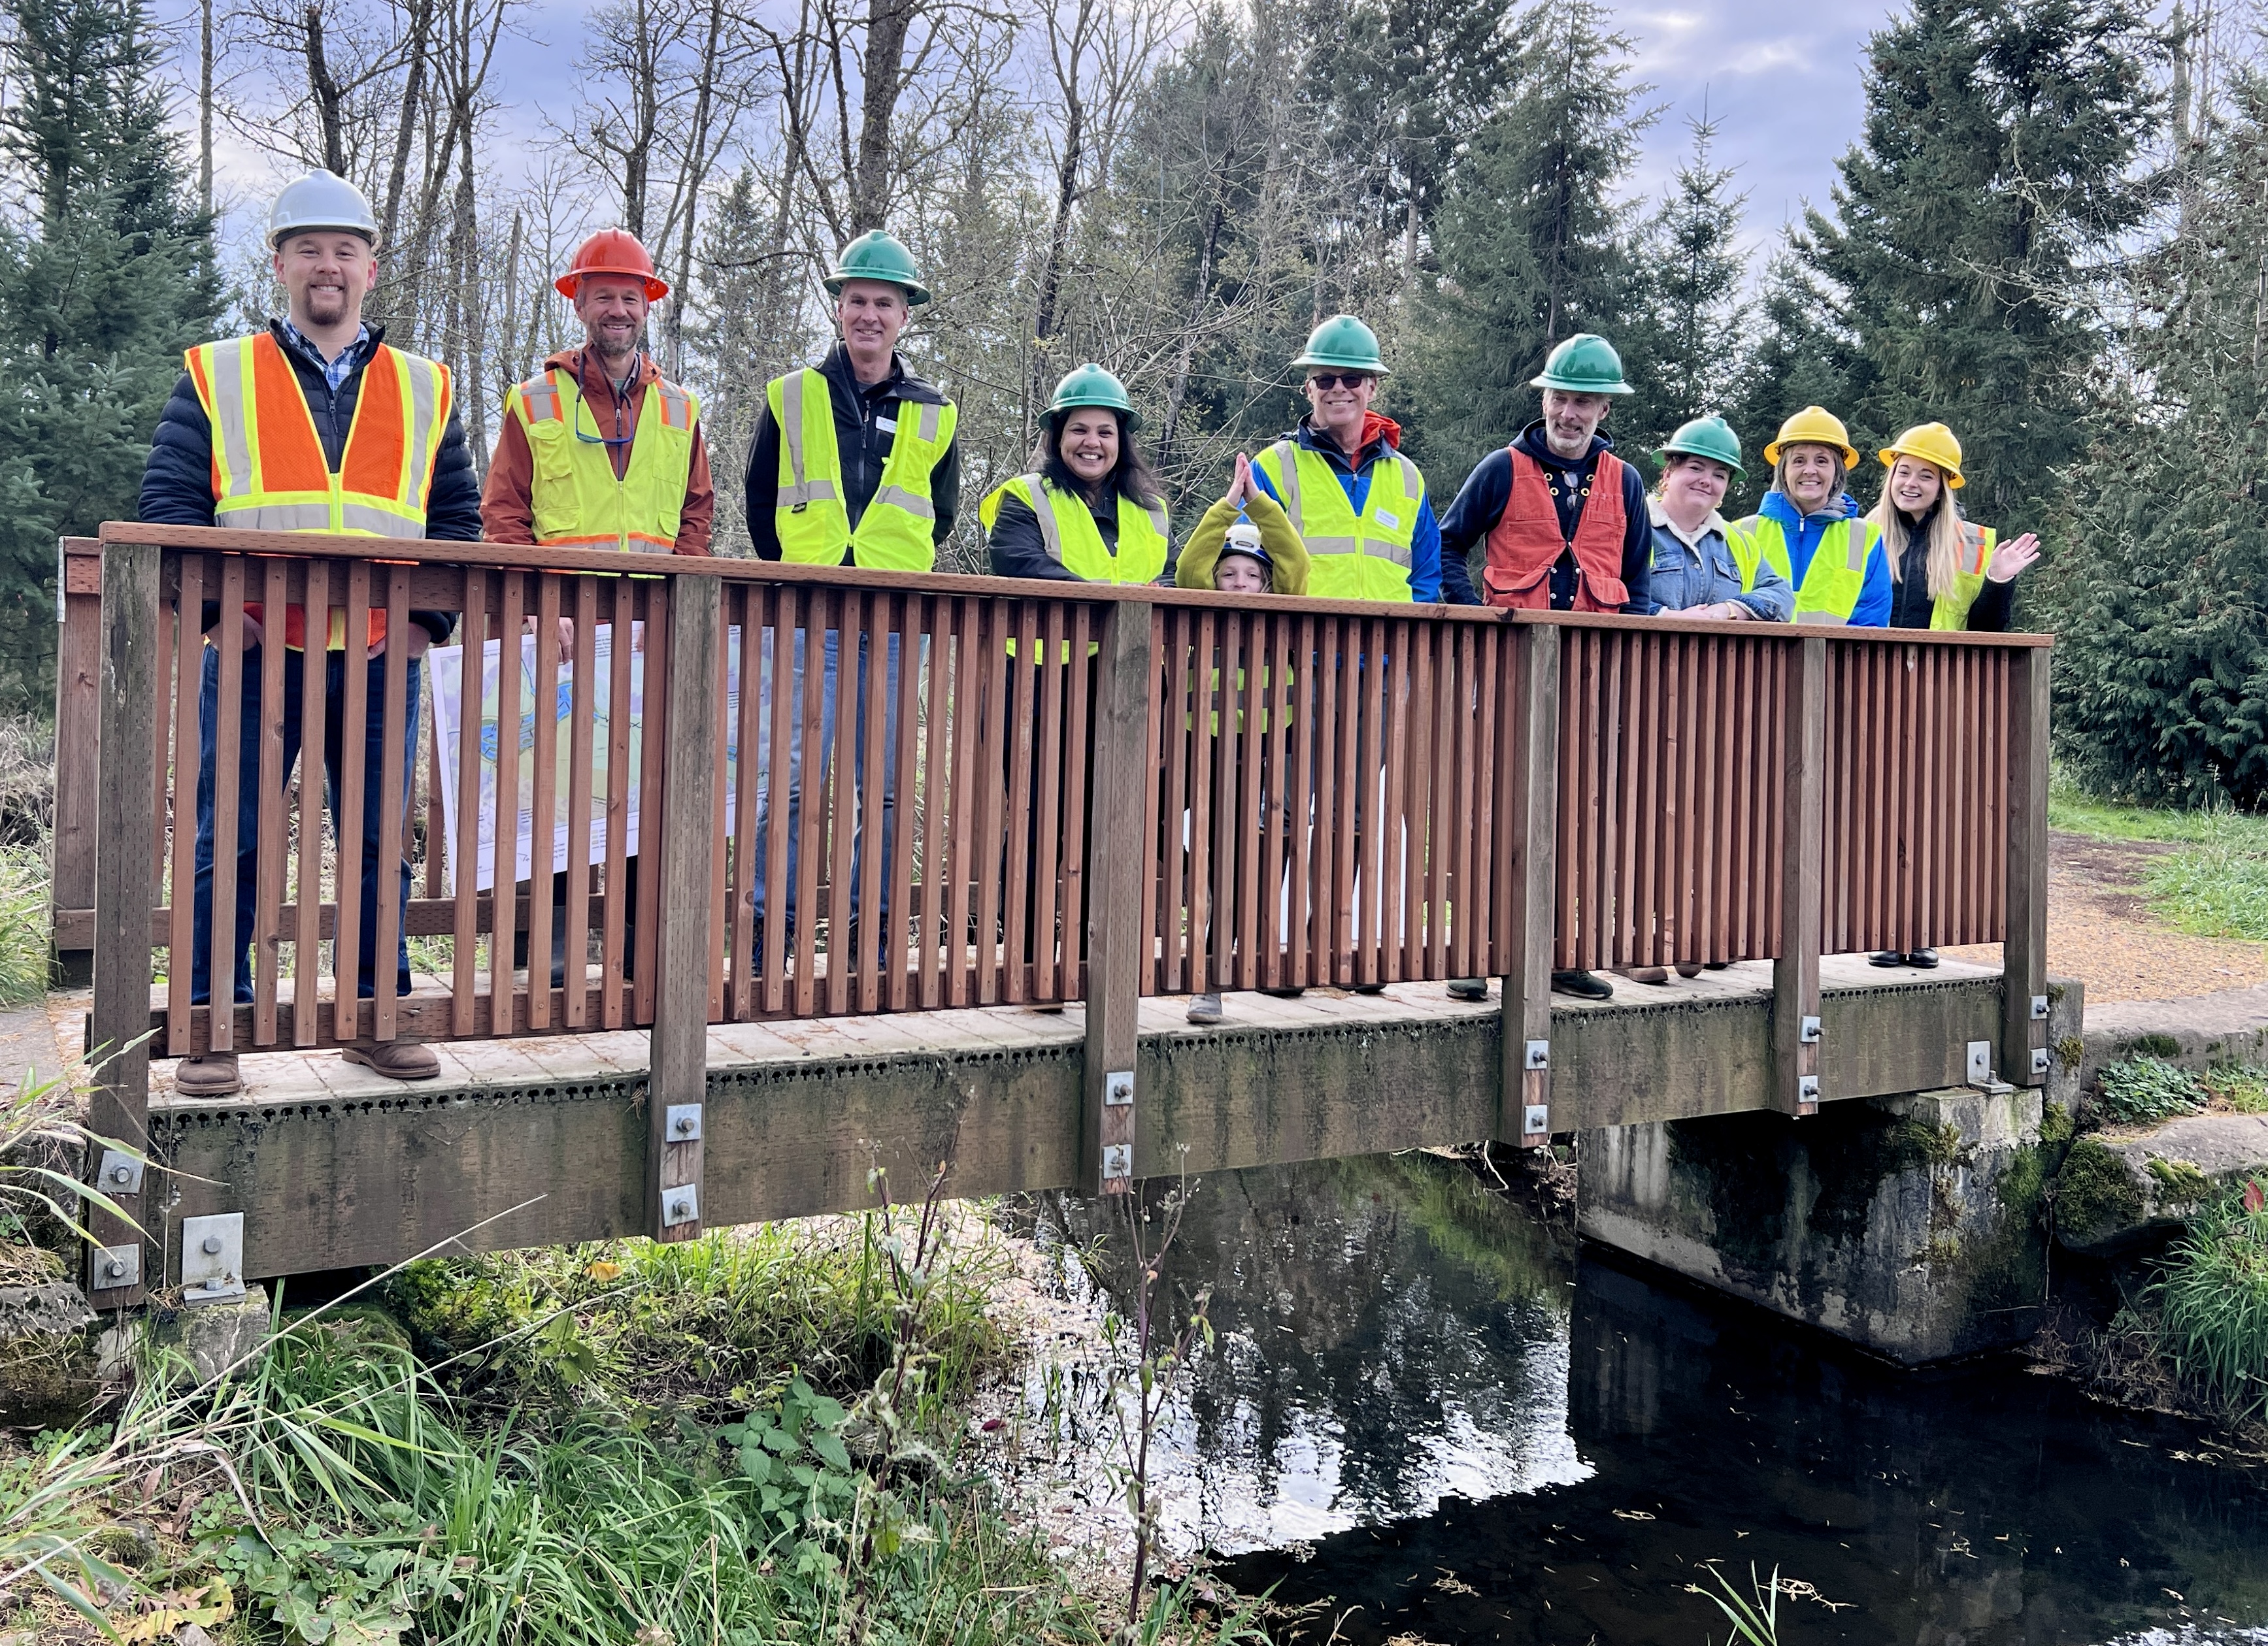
x=1387, y=517
x=888, y=425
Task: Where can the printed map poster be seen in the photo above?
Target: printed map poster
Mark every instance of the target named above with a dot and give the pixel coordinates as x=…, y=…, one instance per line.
x=447, y=667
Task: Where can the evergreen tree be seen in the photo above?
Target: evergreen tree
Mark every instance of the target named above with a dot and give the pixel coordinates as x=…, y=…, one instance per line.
x=1531, y=243
x=2000, y=142
x=2159, y=593
x=1693, y=273
x=102, y=285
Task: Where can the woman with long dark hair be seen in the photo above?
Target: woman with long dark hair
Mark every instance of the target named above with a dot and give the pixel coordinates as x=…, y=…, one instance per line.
x=1089, y=510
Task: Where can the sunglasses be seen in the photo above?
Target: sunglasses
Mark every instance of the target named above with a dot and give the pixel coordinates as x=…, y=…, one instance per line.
x=1335, y=379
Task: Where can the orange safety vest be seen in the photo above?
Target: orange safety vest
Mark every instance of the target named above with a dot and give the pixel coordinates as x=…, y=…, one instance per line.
x=269, y=470
x=1526, y=541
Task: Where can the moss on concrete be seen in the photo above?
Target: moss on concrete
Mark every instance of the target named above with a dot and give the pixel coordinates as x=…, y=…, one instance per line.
x=2095, y=1195
x=2057, y=1125
x=2070, y=1051
x=2150, y=1046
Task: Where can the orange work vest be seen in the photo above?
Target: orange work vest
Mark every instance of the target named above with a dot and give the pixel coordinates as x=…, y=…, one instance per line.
x=269, y=470
x=1526, y=543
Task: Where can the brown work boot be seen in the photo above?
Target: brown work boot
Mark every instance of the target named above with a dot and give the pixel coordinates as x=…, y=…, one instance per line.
x=396, y=1060
x=211, y=1076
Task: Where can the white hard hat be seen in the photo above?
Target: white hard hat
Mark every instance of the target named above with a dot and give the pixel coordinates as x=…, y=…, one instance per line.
x=321, y=200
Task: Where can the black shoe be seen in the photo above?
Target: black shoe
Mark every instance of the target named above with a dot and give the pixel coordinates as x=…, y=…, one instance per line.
x=1285, y=994
x=1715, y=966
x=1923, y=959
x=1887, y=957
x=1469, y=988
x=1582, y=985
x=1367, y=989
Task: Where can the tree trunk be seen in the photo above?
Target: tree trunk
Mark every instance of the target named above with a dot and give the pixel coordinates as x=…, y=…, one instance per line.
x=324, y=90
x=888, y=23
x=696, y=164
x=397, y=177
x=1179, y=390
x=205, y=109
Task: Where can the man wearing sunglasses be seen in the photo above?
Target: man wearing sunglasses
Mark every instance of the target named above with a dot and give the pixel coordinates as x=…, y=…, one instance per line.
x=1357, y=502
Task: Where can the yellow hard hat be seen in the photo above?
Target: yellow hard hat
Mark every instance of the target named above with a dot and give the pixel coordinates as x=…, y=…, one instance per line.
x=1932, y=442
x=1814, y=425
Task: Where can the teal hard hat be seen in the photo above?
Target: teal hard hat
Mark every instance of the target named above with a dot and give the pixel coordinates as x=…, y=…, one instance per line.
x=1584, y=365
x=1091, y=386
x=1343, y=342
x=878, y=254
x=1711, y=437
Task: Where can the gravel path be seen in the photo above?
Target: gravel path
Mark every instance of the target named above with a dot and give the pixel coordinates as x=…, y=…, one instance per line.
x=2101, y=931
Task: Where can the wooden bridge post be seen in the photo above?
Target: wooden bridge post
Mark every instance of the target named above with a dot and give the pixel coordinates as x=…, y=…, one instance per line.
x=1531, y=819
x=1802, y=869
x=678, y=1087
x=2024, y=955
x=119, y=1266
x=1117, y=944
x=78, y=731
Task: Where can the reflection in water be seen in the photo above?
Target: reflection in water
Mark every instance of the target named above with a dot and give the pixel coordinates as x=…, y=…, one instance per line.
x=1479, y=1450
x=1388, y=1333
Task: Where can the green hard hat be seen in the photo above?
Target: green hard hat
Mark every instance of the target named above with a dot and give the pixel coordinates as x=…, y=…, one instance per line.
x=1345, y=342
x=1711, y=437
x=1091, y=386
x=878, y=254
x=1584, y=365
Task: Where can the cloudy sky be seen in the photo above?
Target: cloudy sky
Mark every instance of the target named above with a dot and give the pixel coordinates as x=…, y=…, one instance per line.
x=1781, y=79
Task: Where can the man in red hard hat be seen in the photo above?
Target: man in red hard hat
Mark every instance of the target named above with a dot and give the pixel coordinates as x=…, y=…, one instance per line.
x=629, y=468
x=624, y=463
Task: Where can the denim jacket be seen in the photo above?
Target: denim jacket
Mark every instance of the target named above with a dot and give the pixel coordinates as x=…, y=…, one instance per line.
x=1686, y=575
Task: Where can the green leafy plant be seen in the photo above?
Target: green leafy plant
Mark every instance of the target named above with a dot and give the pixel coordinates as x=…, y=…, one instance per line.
x=1755, y=1616
x=2144, y=1088
x=794, y=1455
x=2213, y=1301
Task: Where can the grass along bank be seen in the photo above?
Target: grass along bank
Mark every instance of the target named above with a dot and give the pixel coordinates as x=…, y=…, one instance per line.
x=757, y=1437
x=2215, y=885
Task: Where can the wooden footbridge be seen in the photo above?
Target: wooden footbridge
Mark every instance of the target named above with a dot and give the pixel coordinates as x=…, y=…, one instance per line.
x=1032, y=816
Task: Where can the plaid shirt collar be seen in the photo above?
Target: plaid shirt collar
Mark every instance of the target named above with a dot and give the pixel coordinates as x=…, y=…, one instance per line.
x=336, y=372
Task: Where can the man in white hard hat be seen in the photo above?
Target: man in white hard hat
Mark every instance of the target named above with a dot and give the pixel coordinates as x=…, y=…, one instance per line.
x=263, y=433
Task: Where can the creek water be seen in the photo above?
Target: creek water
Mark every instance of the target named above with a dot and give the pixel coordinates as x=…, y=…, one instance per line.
x=1430, y=1418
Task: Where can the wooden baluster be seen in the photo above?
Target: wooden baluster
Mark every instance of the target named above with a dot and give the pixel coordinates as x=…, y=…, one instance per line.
x=1116, y=943
x=354, y=719
x=503, y=1008
x=271, y=844
x=118, y=1026
x=79, y=720
x=188, y=671
x=1078, y=739
x=751, y=607
x=228, y=758
x=654, y=744
x=472, y=638
x=1533, y=817
x=1795, y=974
x=2024, y=971
x=314, y=740
x=678, y=850
x=898, y=994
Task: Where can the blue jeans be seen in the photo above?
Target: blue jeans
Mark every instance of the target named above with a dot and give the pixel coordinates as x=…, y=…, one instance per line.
x=248, y=807
x=846, y=907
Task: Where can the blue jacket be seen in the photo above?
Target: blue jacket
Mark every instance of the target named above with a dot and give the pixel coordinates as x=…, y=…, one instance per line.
x=1354, y=480
x=177, y=487
x=1804, y=532
x=1684, y=576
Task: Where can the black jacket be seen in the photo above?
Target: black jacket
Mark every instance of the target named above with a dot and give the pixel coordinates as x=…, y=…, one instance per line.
x=865, y=446
x=1911, y=604
x=177, y=487
x=1480, y=504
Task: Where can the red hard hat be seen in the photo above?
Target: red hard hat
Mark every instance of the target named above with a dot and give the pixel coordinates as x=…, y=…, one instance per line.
x=612, y=251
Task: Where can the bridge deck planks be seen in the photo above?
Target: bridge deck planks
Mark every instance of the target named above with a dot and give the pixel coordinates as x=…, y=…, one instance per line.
x=334, y=1165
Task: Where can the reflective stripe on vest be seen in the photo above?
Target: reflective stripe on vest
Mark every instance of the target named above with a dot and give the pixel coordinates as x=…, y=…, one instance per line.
x=575, y=498
x=896, y=531
x=270, y=473
x=1351, y=557
x=1527, y=541
x=1949, y=612
x=1072, y=539
x=1832, y=583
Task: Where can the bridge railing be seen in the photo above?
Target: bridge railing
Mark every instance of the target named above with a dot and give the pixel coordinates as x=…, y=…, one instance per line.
x=1014, y=792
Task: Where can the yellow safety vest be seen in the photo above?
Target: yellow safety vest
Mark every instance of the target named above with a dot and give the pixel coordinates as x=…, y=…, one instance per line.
x=1351, y=557
x=1830, y=590
x=1949, y=614
x=576, y=498
x=897, y=532
x=1073, y=541
x=270, y=473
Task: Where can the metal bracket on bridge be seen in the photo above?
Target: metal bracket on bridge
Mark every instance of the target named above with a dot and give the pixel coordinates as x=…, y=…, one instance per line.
x=121, y=1173
x=1808, y=1034
x=1117, y=1132
x=212, y=1257
x=681, y=1204
x=117, y=1267
x=1535, y=1107
x=2040, y=1060
x=682, y=1122
x=2039, y=1009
